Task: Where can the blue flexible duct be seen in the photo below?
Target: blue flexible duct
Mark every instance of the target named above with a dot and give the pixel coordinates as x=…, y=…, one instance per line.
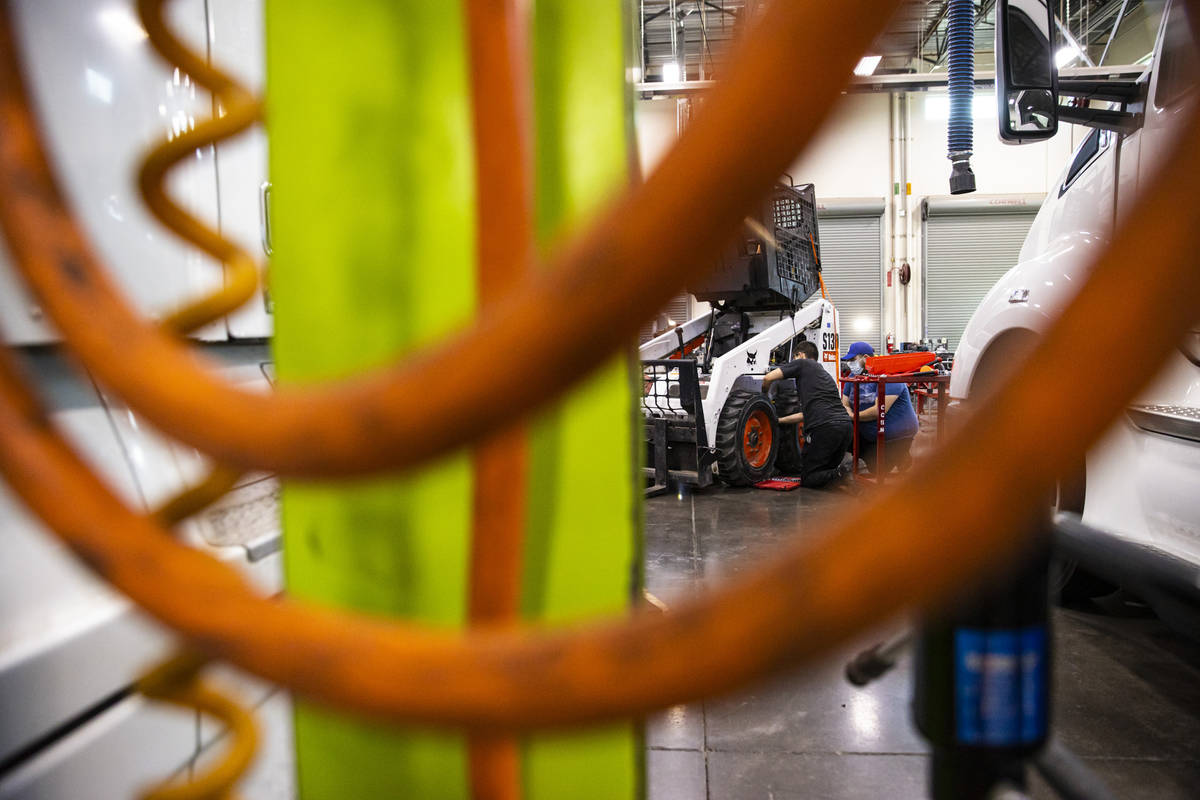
x=960, y=138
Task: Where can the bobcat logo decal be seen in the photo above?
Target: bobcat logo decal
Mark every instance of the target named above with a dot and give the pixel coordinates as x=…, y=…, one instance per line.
x=751, y=357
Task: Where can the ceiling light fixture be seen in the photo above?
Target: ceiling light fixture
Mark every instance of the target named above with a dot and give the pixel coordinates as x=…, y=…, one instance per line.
x=1066, y=55
x=867, y=64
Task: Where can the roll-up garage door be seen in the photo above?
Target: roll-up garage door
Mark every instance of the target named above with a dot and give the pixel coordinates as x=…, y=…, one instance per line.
x=969, y=243
x=676, y=312
x=852, y=265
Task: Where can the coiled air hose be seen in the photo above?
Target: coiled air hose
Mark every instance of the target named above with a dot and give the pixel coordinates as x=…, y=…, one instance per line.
x=876, y=559
x=177, y=681
x=960, y=130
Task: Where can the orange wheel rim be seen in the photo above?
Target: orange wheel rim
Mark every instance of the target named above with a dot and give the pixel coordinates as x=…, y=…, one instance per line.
x=756, y=439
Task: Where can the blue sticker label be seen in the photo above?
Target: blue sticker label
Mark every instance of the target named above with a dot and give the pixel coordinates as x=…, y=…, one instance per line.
x=1000, y=686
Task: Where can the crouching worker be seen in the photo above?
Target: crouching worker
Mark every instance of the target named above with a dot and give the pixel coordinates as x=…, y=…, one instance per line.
x=899, y=420
x=827, y=430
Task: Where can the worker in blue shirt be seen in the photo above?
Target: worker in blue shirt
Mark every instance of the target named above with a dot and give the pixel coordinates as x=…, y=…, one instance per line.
x=900, y=418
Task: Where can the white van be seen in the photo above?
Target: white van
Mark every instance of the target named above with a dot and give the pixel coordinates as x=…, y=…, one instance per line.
x=1139, y=490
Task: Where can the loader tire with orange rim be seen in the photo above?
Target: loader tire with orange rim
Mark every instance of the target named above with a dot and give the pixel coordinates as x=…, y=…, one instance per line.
x=791, y=437
x=747, y=439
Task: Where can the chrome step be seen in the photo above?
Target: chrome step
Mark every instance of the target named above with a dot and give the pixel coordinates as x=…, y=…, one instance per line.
x=1182, y=422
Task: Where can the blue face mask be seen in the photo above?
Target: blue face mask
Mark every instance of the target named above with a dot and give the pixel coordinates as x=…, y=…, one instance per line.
x=856, y=368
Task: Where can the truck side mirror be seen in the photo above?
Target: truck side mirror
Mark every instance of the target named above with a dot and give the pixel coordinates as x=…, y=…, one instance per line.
x=1026, y=75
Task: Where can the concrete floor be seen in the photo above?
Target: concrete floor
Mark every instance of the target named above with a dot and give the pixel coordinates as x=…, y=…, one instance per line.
x=1127, y=688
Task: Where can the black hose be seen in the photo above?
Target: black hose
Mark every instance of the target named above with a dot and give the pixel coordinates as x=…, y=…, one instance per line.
x=875, y=661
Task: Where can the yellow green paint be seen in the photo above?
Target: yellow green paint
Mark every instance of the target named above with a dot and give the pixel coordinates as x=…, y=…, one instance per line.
x=581, y=555
x=374, y=232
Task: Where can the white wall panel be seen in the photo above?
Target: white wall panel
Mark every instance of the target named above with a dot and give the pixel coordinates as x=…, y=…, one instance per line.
x=103, y=98
x=67, y=640
x=849, y=156
x=126, y=749
x=237, y=47
x=655, y=126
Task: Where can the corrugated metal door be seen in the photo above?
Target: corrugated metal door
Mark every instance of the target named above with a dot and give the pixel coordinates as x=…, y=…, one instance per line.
x=852, y=266
x=678, y=311
x=965, y=254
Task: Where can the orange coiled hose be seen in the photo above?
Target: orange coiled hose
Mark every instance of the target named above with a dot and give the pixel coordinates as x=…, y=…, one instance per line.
x=504, y=207
x=238, y=110
x=177, y=681
x=216, y=483
x=875, y=560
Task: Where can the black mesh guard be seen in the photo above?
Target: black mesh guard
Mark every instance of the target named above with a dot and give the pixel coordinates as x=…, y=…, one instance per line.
x=798, y=250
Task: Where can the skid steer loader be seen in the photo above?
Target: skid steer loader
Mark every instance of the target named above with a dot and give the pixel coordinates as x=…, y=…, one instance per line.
x=705, y=413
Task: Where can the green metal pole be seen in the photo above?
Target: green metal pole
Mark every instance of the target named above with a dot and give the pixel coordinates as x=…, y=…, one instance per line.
x=585, y=511
x=374, y=231
x=373, y=223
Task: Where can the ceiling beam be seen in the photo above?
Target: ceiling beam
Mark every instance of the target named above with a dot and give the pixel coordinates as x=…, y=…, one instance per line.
x=932, y=28
x=912, y=82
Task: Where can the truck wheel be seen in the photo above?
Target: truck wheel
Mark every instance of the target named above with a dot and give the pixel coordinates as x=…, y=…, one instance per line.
x=791, y=437
x=747, y=438
x=1068, y=580
x=1073, y=584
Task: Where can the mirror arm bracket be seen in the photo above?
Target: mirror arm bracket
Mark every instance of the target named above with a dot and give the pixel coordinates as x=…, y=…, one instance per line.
x=1120, y=121
x=1109, y=90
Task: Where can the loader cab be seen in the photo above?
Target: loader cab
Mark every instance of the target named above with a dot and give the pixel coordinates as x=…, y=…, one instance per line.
x=729, y=329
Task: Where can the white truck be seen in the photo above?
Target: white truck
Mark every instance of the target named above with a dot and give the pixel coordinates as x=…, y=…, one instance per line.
x=705, y=413
x=1136, y=490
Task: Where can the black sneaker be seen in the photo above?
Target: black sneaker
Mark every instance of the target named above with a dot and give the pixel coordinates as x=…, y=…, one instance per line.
x=844, y=482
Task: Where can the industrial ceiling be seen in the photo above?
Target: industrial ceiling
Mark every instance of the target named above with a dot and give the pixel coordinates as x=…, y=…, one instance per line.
x=687, y=39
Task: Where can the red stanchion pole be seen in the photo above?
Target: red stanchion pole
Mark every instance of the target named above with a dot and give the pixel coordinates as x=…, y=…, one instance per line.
x=880, y=396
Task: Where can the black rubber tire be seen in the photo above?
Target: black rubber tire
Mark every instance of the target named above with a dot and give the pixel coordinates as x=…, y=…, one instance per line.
x=1072, y=584
x=791, y=437
x=733, y=467
x=1069, y=582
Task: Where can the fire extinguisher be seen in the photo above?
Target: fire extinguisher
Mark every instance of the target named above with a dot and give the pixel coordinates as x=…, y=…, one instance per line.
x=891, y=342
